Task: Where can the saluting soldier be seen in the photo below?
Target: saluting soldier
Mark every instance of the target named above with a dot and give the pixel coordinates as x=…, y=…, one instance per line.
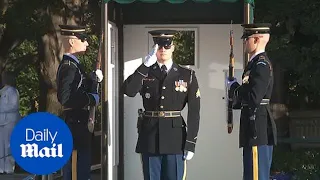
x=165, y=141
x=257, y=126
x=76, y=92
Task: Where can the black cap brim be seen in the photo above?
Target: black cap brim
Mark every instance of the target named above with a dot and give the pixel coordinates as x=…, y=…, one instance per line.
x=258, y=28
x=163, y=37
x=73, y=30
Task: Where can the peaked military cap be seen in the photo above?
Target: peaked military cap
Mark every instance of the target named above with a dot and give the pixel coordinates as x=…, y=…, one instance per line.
x=163, y=37
x=74, y=30
x=258, y=28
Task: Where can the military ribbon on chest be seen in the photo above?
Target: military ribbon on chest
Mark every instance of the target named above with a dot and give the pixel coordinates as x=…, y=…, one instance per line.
x=181, y=86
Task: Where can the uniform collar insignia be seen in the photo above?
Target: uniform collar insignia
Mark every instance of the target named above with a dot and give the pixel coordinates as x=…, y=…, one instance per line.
x=262, y=57
x=154, y=67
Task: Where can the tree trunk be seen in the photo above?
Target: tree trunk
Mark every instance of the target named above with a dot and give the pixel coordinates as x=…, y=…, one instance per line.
x=49, y=57
x=49, y=61
x=8, y=42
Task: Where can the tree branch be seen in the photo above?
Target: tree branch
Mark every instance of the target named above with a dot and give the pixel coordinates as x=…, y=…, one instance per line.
x=3, y=6
x=20, y=63
x=7, y=43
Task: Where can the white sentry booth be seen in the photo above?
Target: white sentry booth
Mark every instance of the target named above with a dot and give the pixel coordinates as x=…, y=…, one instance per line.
x=218, y=155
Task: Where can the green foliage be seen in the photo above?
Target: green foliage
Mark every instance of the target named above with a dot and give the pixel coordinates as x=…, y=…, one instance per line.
x=25, y=48
x=27, y=76
x=303, y=163
x=27, y=19
x=28, y=86
x=90, y=57
x=184, y=52
x=295, y=46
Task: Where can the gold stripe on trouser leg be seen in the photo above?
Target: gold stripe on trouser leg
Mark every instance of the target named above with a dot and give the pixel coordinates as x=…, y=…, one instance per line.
x=184, y=177
x=142, y=165
x=74, y=164
x=255, y=163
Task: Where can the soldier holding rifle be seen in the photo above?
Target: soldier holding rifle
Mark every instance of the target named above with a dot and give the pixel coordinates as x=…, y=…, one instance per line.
x=76, y=92
x=257, y=127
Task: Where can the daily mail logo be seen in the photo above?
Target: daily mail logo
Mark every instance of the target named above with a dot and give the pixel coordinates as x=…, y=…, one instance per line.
x=32, y=150
x=41, y=143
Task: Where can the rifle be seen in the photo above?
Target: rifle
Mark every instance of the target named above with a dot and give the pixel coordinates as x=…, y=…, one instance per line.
x=230, y=78
x=97, y=65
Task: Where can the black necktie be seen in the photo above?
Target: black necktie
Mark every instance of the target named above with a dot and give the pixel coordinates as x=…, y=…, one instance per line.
x=163, y=72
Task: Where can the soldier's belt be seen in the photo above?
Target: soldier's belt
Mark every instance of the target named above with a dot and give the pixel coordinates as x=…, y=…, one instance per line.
x=263, y=102
x=162, y=113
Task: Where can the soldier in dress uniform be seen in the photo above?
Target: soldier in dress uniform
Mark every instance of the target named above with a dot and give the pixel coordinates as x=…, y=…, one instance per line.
x=165, y=140
x=76, y=92
x=257, y=126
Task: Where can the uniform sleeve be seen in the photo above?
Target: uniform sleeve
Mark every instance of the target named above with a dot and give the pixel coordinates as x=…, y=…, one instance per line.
x=9, y=101
x=193, y=114
x=133, y=84
x=69, y=94
x=236, y=93
x=258, y=83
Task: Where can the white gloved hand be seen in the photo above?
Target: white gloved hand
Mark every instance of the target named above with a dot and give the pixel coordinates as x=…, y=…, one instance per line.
x=151, y=58
x=99, y=75
x=188, y=155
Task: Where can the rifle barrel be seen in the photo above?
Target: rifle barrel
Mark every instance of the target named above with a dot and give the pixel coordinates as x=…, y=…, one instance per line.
x=230, y=77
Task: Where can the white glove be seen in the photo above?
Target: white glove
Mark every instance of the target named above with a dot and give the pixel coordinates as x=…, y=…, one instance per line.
x=188, y=155
x=151, y=58
x=99, y=75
